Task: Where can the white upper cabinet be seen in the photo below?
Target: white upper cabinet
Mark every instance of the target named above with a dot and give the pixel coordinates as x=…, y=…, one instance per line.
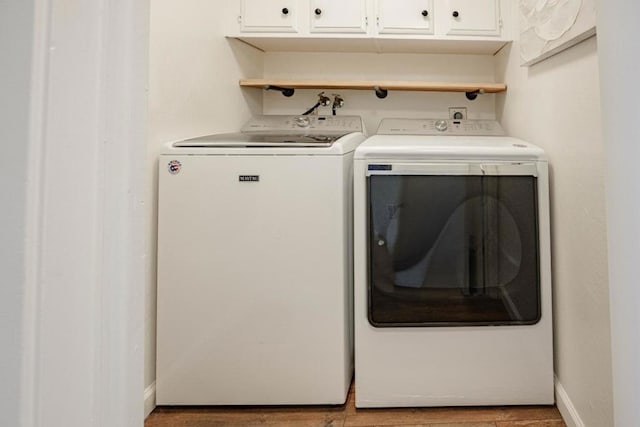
x=404, y=16
x=338, y=16
x=412, y=26
x=472, y=17
x=269, y=16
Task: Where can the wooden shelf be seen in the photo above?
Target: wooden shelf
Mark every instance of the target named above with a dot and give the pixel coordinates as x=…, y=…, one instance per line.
x=375, y=85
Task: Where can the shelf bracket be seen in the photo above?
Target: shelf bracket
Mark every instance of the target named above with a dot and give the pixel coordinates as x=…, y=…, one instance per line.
x=471, y=95
x=286, y=91
x=380, y=93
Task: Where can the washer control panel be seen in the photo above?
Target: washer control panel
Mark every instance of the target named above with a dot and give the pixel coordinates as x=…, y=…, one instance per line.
x=440, y=127
x=325, y=125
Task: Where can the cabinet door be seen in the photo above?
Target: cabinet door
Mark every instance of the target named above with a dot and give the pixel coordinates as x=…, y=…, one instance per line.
x=473, y=17
x=338, y=16
x=268, y=16
x=405, y=17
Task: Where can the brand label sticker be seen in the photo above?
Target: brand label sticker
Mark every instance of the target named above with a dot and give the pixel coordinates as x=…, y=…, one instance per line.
x=174, y=167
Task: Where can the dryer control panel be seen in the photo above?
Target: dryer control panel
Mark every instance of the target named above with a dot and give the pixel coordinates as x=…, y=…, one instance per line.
x=303, y=125
x=440, y=127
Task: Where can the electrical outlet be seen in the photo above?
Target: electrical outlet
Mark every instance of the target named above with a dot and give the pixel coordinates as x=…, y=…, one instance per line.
x=458, y=113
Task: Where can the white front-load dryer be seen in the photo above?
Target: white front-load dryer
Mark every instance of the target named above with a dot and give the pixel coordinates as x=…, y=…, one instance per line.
x=452, y=276
x=255, y=264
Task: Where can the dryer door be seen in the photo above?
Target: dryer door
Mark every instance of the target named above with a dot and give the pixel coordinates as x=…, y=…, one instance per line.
x=453, y=244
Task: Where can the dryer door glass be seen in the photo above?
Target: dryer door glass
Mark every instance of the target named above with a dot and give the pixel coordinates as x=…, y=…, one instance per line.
x=453, y=250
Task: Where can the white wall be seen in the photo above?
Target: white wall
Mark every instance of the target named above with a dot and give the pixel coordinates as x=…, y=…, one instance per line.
x=556, y=105
x=371, y=66
x=619, y=68
x=73, y=106
x=16, y=40
x=89, y=121
x=194, y=72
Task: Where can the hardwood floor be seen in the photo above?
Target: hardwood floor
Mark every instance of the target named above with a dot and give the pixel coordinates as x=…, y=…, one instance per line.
x=348, y=416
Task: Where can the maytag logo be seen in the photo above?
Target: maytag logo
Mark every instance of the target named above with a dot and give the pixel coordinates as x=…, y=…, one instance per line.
x=249, y=178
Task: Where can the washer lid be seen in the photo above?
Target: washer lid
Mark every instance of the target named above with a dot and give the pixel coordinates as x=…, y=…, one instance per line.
x=334, y=126
x=257, y=140
x=282, y=131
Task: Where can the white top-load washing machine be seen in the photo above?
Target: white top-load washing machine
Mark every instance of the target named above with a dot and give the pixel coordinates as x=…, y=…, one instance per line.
x=452, y=276
x=255, y=264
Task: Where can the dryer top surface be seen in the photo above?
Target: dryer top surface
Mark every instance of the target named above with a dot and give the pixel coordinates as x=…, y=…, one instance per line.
x=442, y=127
x=419, y=147
x=441, y=140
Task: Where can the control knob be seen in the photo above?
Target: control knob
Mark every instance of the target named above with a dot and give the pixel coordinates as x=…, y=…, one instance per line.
x=302, y=121
x=441, y=125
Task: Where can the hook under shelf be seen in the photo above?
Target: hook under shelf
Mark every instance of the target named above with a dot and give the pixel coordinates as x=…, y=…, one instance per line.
x=380, y=93
x=471, y=95
x=286, y=91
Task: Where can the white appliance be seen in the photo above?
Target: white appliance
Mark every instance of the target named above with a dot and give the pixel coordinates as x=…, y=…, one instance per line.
x=255, y=264
x=452, y=280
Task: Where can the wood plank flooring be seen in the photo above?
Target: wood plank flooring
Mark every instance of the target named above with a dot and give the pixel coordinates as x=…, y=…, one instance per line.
x=348, y=416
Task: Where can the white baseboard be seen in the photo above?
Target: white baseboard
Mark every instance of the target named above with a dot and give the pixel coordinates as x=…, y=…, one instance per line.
x=149, y=399
x=566, y=408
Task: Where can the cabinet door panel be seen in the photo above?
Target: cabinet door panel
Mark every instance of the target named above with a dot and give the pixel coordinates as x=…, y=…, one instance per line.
x=405, y=16
x=474, y=17
x=338, y=16
x=268, y=16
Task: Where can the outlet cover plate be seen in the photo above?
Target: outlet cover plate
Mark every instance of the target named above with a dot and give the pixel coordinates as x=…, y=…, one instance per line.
x=461, y=110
